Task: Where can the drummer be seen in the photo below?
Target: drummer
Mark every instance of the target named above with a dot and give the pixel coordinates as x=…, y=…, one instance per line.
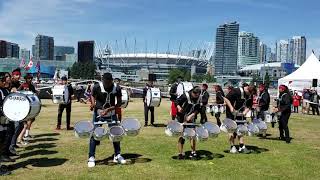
x=27, y=86
x=219, y=101
x=104, y=99
x=188, y=106
x=173, y=97
x=283, y=109
x=263, y=103
x=204, y=102
x=147, y=108
x=3, y=123
x=64, y=81
x=240, y=104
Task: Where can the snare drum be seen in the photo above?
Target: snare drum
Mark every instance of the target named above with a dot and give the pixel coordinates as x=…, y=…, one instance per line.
x=242, y=130
x=21, y=105
x=184, y=87
x=153, y=97
x=60, y=94
x=189, y=133
x=228, y=126
x=202, y=134
x=252, y=129
x=99, y=133
x=131, y=126
x=174, y=128
x=212, y=129
x=116, y=133
x=83, y=129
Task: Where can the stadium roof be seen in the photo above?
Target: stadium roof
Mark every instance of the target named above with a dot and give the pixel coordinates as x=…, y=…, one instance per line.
x=257, y=67
x=154, y=55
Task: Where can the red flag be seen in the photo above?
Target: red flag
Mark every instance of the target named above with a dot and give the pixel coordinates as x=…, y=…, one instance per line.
x=30, y=64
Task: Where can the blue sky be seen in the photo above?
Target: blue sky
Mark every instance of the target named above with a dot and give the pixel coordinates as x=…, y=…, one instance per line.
x=192, y=22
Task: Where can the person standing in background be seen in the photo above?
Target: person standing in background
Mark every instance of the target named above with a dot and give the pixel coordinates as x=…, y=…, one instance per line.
x=314, y=98
x=204, y=96
x=296, y=102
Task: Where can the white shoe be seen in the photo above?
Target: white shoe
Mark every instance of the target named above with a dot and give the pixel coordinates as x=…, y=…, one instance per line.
x=91, y=162
x=233, y=150
x=119, y=159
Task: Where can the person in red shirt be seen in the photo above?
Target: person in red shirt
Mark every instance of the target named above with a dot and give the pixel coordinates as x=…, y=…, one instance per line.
x=296, y=102
x=27, y=86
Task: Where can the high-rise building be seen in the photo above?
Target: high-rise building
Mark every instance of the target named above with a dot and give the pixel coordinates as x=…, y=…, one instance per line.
x=15, y=49
x=3, y=49
x=297, y=49
x=282, y=51
x=226, y=49
x=85, y=51
x=262, y=52
x=8, y=49
x=33, y=50
x=25, y=54
x=248, y=49
x=60, y=51
x=44, y=48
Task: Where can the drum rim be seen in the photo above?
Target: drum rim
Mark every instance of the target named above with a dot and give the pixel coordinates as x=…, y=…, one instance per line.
x=131, y=119
x=25, y=95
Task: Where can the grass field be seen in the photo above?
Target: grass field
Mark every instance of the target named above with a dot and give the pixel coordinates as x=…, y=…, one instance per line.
x=59, y=155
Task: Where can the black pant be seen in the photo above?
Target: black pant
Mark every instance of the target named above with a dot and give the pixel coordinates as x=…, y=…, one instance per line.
x=146, y=110
x=283, y=125
x=78, y=94
x=60, y=111
x=203, y=115
x=9, y=135
x=295, y=109
x=18, y=127
x=315, y=109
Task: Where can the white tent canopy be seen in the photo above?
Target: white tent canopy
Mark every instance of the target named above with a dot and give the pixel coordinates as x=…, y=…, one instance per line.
x=302, y=77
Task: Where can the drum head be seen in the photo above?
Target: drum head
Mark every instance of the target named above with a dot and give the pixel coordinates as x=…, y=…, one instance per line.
x=230, y=124
x=83, y=128
x=148, y=97
x=116, y=131
x=202, y=133
x=189, y=133
x=16, y=106
x=212, y=129
x=99, y=133
x=131, y=126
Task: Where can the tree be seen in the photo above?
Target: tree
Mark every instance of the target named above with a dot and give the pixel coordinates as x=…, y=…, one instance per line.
x=83, y=70
x=175, y=73
x=267, y=79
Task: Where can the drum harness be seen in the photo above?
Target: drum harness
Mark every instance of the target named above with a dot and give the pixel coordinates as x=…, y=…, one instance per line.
x=191, y=103
x=243, y=106
x=107, y=103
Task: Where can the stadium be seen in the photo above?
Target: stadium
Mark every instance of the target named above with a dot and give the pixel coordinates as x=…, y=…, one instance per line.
x=136, y=66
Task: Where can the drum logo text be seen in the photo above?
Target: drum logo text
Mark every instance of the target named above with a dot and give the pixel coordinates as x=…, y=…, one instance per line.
x=17, y=98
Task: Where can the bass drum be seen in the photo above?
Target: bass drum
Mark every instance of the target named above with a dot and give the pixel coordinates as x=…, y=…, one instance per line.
x=21, y=105
x=124, y=98
x=60, y=94
x=184, y=87
x=153, y=97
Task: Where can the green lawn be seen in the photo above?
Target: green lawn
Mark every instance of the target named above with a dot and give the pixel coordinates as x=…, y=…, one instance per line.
x=60, y=155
